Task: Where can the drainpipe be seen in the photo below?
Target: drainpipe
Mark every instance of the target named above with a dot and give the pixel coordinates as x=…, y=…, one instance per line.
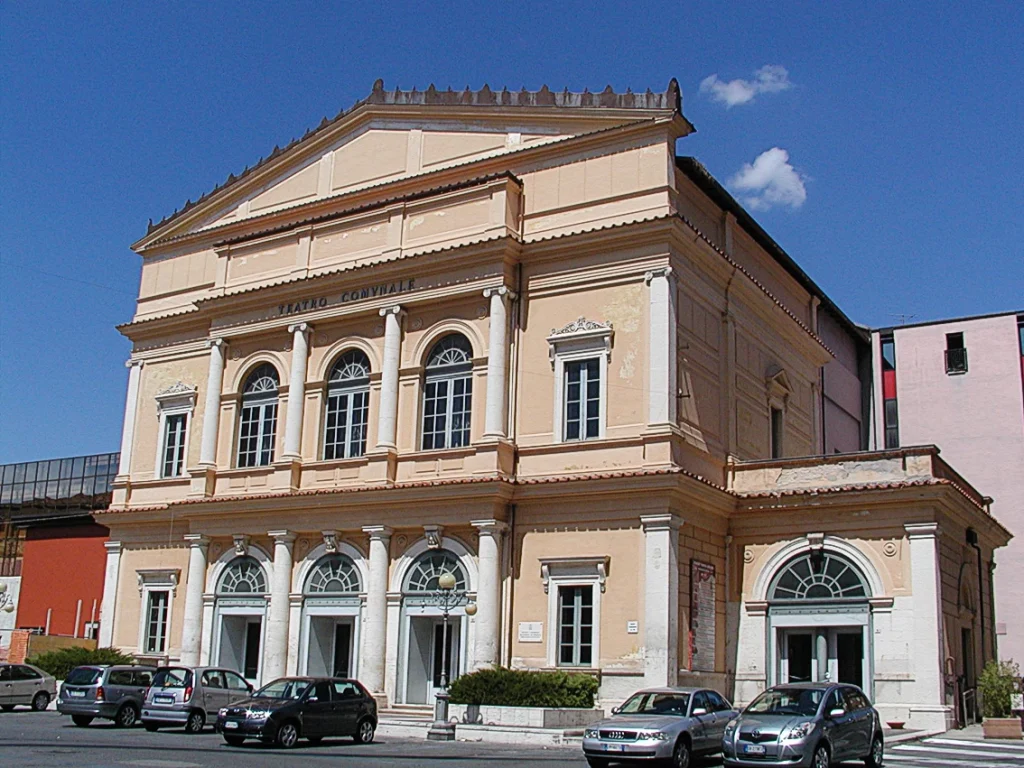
x=972, y=539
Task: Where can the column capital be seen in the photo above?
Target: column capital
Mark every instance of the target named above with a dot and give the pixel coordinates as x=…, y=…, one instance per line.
x=215, y=343
x=652, y=523
x=134, y=363
x=381, y=532
x=300, y=328
x=659, y=272
x=282, y=537
x=197, y=539
x=921, y=530
x=112, y=547
x=489, y=527
x=499, y=290
x=395, y=310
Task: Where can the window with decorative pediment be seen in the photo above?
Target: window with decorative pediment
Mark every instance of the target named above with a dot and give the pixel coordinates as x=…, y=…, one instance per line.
x=333, y=574
x=448, y=393
x=243, y=576
x=429, y=566
x=348, y=406
x=257, y=425
x=174, y=405
x=818, y=575
x=580, y=352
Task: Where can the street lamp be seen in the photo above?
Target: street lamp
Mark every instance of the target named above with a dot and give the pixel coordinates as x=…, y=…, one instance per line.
x=446, y=597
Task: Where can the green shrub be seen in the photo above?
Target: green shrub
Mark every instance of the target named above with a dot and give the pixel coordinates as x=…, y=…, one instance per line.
x=997, y=682
x=59, y=663
x=519, y=688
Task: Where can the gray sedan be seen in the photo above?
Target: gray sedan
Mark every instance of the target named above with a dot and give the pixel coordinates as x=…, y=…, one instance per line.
x=660, y=724
x=25, y=684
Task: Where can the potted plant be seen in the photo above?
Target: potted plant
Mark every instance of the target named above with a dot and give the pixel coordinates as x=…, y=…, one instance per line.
x=997, y=684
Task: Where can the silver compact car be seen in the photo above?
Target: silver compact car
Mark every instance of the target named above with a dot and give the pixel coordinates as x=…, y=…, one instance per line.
x=808, y=725
x=191, y=696
x=660, y=725
x=111, y=692
x=25, y=684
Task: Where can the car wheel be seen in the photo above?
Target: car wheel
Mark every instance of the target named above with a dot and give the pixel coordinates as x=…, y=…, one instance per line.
x=81, y=720
x=287, y=735
x=597, y=762
x=364, y=733
x=196, y=721
x=877, y=753
x=822, y=759
x=127, y=716
x=234, y=741
x=40, y=701
x=681, y=755
x=152, y=727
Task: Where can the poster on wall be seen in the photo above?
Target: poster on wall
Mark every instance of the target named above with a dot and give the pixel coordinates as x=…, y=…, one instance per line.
x=702, y=617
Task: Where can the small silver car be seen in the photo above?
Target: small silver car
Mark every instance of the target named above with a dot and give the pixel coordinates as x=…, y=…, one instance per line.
x=660, y=725
x=805, y=725
x=111, y=692
x=191, y=696
x=25, y=684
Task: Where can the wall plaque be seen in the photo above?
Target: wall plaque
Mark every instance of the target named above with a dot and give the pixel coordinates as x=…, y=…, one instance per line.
x=531, y=632
x=702, y=617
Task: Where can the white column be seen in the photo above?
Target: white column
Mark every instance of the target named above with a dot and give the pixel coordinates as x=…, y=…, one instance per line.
x=110, y=578
x=371, y=663
x=927, y=637
x=488, y=593
x=661, y=599
x=275, y=654
x=497, y=362
x=662, y=385
x=131, y=407
x=388, y=417
x=195, y=585
x=211, y=410
x=296, y=391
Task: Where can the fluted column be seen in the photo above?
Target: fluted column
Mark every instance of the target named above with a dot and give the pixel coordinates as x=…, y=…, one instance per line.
x=275, y=655
x=211, y=410
x=661, y=599
x=296, y=390
x=110, y=578
x=488, y=593
x=131, y=407
x=192, y=630
x=662, y=352
x=387, y=419
x=497, y=362
x=371, y=663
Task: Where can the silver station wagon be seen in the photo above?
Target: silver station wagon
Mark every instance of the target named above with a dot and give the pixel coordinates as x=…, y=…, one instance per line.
x=110, y=692
x=660, y=725
x=191, y=696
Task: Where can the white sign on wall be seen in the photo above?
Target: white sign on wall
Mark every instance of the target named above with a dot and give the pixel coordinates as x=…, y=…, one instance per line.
x=632, y=627
x=531, y=632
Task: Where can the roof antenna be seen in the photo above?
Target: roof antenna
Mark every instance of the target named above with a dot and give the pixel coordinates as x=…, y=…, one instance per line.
x=903, y=316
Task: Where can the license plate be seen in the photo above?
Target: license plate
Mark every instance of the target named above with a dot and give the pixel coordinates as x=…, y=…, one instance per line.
x=77, y=694
x=163, y=699
x=230, y=725
x=753, y=749
x=614, y=747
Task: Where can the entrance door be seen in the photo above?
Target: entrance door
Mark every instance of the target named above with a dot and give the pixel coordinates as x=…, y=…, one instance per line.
x=425, y=659
x=797, y=657
x=850, y=658
x=251, y=670
x=329, y=647
x=240, y=640
x=342, y=649
x=445, y=660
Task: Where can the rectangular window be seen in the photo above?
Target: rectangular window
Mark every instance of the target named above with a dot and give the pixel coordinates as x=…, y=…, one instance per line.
x=174, y=445
x=575, y=626
x=156, y=621
x=447, y=408
x=345, y=430
x=582, y=393
x=890, y=411
x=777, y=431
x=956, y=353
x=257, y=429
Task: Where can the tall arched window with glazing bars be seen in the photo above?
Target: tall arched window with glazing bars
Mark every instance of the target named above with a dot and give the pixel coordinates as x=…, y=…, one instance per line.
x=348, y=406
x=257, y=424
x=448, y=393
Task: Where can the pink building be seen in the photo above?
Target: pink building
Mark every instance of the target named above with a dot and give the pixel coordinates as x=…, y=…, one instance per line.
x=959, y=384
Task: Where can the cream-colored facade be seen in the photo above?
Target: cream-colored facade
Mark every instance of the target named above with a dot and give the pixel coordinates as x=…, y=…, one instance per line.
x=513, y=336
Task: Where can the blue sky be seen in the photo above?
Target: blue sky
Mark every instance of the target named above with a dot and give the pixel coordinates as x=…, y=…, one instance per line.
x=896, y=127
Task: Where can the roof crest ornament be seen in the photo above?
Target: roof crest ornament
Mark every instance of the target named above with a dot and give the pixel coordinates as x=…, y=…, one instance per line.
x=581, y=325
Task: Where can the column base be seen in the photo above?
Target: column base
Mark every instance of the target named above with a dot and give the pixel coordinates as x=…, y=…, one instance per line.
x=382, y=465
x=203, y=483
x=287, y=475
x=441, y=732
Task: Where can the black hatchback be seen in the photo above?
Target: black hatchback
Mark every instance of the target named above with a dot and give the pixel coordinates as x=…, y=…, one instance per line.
x=293, y=708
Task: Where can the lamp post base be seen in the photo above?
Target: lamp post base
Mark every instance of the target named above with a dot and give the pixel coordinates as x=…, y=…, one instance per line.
x=441, y=729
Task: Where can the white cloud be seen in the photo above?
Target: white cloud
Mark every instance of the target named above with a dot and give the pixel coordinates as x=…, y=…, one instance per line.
x=769, y=181
x=770, y=78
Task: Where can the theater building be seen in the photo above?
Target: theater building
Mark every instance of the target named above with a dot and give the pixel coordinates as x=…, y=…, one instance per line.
x=512, y=336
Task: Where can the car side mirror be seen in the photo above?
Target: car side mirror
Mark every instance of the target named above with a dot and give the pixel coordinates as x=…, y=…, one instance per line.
x=250, y=688
x=615, y=710
x=699, y=711
x=837, y=712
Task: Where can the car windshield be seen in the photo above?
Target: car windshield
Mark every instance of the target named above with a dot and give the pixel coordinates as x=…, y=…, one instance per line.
x=787, y=701
x=656, y=704
x=283, y=689
x=172, y=677
x=83, y=676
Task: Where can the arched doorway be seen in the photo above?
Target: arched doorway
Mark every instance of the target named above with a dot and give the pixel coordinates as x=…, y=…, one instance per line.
x=241, y=606
x=330, y=616
x=819, y=620
x=425, y=651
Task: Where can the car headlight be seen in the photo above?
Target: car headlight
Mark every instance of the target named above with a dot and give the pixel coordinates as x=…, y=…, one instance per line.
x=798, y=731
x=591, y=733
x=730, y=727
x=259, y=714
x=222, y=712
x=656, y=736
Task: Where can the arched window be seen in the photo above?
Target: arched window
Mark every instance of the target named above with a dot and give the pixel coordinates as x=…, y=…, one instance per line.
x=348, y=405
x=448, y=393
x=333, y=574
x=257, y=426
x=429, y=566
x=818, y=576
x=243, y=576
